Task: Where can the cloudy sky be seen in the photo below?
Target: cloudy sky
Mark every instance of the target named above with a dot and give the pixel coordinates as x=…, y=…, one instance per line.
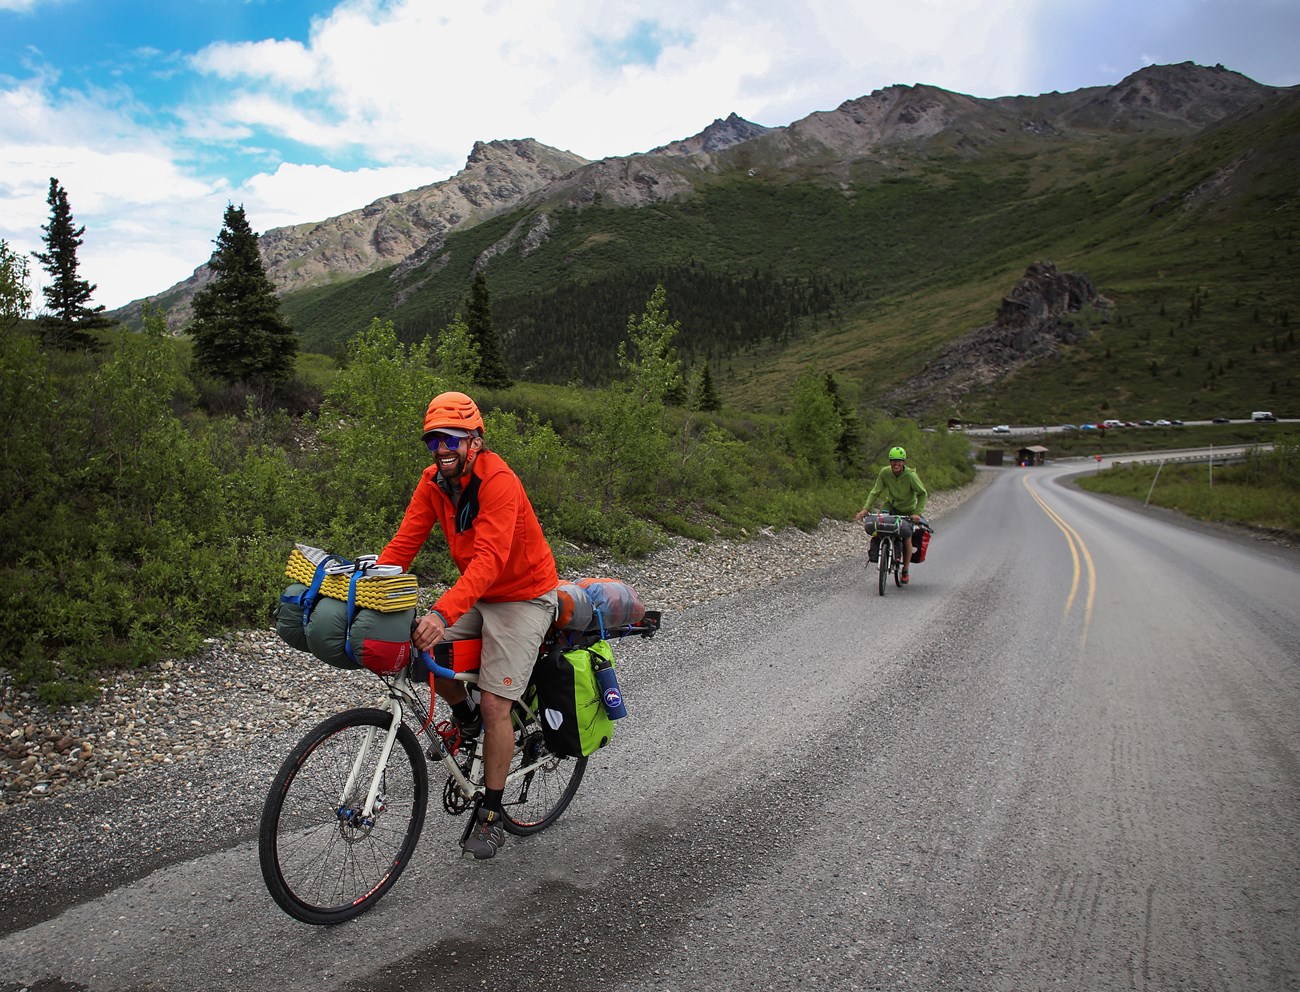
x=154, y=114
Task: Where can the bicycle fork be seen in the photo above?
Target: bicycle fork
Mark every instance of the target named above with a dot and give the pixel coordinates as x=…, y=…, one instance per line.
x=377, y=777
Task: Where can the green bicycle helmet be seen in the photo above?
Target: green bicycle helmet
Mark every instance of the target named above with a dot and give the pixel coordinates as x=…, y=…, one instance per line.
x=897, y=454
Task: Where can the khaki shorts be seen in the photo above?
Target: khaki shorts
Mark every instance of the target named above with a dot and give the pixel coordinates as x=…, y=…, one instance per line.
x=512, y=633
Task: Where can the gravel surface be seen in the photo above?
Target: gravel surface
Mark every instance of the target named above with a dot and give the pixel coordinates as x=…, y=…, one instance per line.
x=228, y=695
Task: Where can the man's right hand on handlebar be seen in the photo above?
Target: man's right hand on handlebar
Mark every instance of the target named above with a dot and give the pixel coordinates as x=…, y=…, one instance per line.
x=428, y=631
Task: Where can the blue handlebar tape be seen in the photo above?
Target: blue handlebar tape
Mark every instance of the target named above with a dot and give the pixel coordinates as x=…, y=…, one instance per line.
x=433, y=666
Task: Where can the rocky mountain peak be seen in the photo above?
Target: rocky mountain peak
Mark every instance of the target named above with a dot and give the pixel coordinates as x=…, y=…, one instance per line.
x=1185, y=95
x=717, y=136
x=408, y=229
x=497, y=176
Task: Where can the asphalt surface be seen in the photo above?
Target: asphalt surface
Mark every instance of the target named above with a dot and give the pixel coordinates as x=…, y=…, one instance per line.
x=1067, y=756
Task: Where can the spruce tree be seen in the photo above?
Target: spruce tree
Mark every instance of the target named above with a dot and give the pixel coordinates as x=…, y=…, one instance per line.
x=239, y=334
x=706, y=398
x=492, y=372
x=67, y=297
x=846, y=444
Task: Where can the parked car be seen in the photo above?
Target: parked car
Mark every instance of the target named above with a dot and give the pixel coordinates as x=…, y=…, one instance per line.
x=1177, y=423
x=1002, y=429
x=1164, y=423
x=1088, y=427
x=1069, y=427
x=1220, y=420
x=1146, y=423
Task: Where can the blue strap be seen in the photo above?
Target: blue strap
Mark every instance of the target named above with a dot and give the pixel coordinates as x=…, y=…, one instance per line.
x=307, y=598
x=600, y=620
x=352, y=614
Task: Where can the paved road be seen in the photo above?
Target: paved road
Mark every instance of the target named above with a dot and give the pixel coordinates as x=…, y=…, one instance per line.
x=1066, y=757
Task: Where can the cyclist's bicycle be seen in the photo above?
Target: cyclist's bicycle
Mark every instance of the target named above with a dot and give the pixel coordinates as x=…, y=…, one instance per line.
x=347, y=806
x=893, y=535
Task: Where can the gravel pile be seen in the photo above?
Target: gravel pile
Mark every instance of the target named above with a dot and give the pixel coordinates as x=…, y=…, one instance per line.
x=231, y=694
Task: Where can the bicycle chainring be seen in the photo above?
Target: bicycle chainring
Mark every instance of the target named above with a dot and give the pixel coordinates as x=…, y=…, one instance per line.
x=452, y=801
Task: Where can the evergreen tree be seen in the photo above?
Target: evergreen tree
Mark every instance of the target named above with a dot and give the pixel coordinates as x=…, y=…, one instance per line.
x=492, y=371
x=706, y=398
x=67, y=297
x=846, y=445
x=239, y=334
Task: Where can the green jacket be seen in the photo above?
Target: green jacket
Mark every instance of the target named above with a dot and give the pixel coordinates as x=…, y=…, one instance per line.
x=904, y=493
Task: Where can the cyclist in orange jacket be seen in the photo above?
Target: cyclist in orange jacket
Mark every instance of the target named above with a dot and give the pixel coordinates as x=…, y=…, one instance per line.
x=506, y=593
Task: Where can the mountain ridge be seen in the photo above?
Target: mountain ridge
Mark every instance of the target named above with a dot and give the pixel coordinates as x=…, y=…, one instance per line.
x=407, y=229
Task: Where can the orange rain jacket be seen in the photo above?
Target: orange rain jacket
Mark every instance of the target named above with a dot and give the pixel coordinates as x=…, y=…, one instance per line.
x=492, y=533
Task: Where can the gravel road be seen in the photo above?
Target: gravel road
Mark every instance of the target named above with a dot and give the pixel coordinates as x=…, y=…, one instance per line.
x=1068, y=761
x=162, y=730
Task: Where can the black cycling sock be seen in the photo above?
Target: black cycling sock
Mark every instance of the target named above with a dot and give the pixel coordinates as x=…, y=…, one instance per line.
x=464, y=711
x=492, y=799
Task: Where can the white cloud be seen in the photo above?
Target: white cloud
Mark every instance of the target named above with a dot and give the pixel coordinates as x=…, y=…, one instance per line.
x=383, y=97
x=285, y=63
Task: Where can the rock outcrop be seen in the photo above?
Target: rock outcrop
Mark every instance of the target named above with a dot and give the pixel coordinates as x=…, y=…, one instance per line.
x=1032, y=323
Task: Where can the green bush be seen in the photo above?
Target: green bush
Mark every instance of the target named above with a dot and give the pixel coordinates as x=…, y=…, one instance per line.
x=135, y=530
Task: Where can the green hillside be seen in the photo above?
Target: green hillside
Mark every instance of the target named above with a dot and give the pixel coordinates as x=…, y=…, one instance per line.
x=872, y=272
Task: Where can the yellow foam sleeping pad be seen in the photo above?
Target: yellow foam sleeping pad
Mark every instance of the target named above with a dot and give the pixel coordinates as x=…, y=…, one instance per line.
x=384, y=588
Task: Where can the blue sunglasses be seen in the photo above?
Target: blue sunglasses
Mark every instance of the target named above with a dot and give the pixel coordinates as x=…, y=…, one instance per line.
x=447, y=441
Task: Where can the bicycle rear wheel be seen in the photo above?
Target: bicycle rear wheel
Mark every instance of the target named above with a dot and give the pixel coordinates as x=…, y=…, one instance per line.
x=535, y=799
x=322, y=859
x=886, y=556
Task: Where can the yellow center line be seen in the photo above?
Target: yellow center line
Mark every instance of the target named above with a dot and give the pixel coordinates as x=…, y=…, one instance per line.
x=1077, y=548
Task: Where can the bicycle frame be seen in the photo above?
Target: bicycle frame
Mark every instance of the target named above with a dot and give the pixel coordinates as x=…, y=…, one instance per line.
x=401, y=694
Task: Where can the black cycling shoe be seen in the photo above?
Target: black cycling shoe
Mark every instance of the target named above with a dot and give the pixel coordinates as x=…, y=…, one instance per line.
x=471, y=729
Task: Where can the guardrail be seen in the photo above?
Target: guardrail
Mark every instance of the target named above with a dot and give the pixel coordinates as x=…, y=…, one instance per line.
x=1234, y=455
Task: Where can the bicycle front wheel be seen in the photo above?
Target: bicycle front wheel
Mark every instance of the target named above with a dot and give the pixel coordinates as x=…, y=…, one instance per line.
x=886, y=556
x=541, y=784
x=324, y=858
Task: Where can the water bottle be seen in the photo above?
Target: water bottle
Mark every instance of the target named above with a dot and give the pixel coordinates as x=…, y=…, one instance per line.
x=610, y=694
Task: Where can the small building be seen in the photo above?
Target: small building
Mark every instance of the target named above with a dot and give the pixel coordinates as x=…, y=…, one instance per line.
x=1031, y=454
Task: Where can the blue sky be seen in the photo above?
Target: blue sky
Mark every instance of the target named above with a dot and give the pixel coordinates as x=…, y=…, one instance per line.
x=154, y=115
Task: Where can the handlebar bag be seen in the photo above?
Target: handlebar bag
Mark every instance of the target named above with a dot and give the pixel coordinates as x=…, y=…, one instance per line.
x=887, y=523
x=573, y=716
x=344, y=635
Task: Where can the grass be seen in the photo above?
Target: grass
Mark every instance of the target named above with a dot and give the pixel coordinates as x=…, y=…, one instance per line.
x=1262, y=492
